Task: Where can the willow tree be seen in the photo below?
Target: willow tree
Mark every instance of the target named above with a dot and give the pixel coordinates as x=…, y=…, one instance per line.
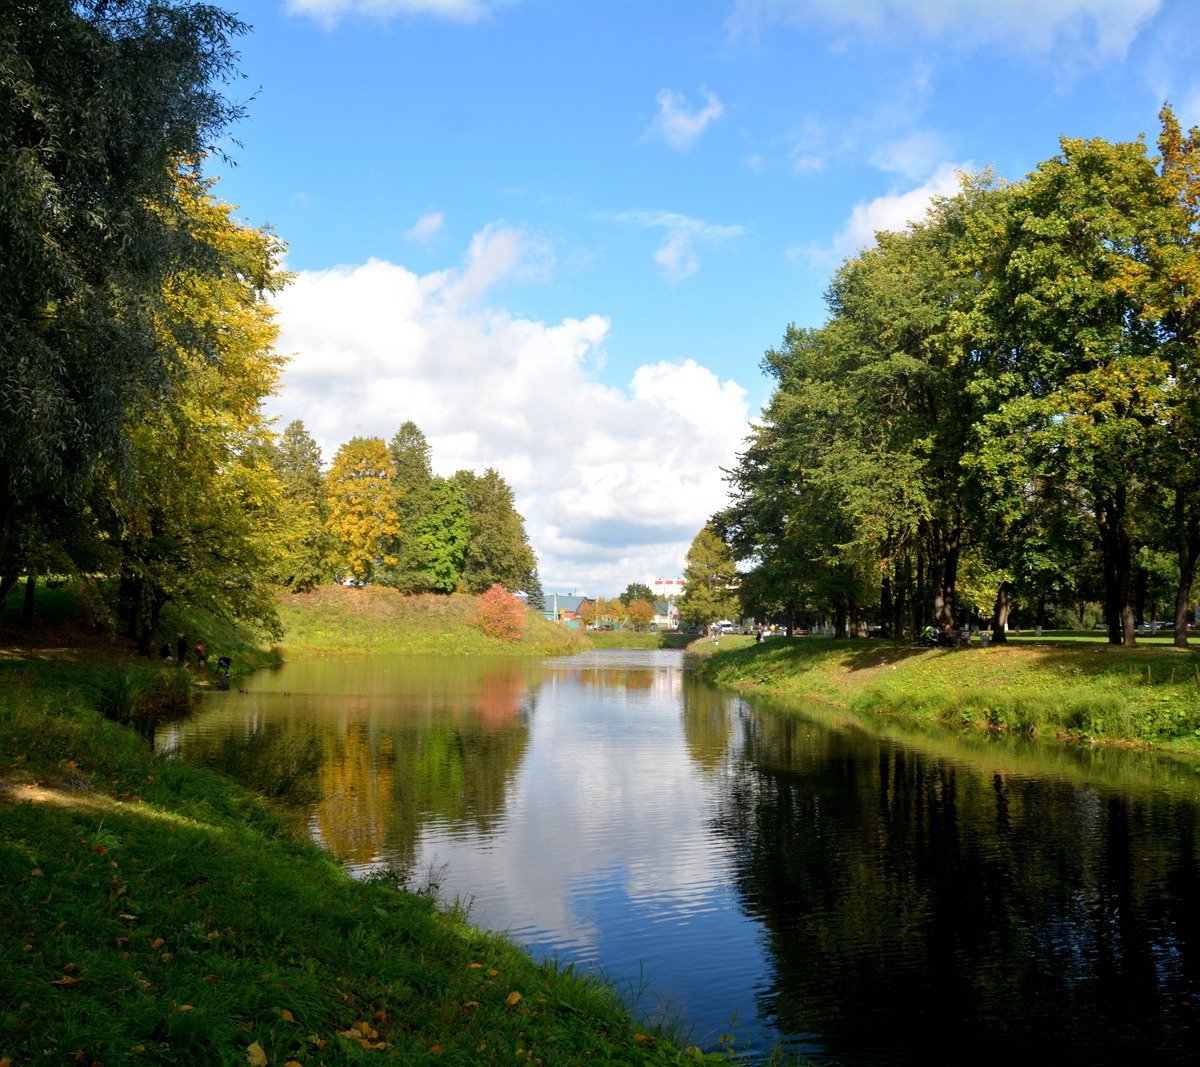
x=99, y=100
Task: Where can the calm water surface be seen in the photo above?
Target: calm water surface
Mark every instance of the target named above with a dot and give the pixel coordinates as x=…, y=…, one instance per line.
x=856, y=893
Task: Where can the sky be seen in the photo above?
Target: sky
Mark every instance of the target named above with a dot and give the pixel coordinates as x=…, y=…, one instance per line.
x=559, y=236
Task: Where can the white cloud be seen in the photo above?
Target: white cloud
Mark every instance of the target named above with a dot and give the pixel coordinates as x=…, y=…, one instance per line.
x=893, y=211
x=678, y=256
x=329, y=12
x=613, y=482
x=680, y=125
x=426, y=227
x=913, y=157
x=1100, y=28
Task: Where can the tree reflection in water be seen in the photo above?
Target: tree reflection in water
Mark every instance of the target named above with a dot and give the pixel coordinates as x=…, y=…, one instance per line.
x=922, y=908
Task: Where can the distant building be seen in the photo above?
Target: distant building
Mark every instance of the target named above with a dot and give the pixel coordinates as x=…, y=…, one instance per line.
x=666, y=615
x=560, y=608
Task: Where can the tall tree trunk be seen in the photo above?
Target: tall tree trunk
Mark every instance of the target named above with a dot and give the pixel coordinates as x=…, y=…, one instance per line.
x=885, y=607
x=1000, y=613
x=943, y=574
x=1141, y=586
x=920, y=606
x=1117, y=555
x=1187, y=549
x=30, y=590
x=903, y=596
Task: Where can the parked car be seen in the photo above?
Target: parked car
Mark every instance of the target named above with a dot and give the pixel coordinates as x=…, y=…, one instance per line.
x=724, y=626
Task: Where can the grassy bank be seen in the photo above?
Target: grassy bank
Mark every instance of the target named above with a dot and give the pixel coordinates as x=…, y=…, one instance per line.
x=156, y=913
x=1086, y=691
x=335, y=619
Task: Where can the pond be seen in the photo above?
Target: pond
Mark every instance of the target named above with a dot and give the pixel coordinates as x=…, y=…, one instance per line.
x=802, y=880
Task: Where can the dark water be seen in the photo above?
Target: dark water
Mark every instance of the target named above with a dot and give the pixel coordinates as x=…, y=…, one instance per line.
x=806, y=880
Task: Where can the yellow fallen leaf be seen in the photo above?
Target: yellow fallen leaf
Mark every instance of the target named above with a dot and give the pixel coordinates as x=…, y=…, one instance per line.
x=435, y=1049
x=186, y=1007
x=68, y=980
x=493, y=972
x=514, y=998
x=255, y=1055
x=293, y=1063
x=127, y=918
x=36, y=873
x=287, y=1016
x=158, y=942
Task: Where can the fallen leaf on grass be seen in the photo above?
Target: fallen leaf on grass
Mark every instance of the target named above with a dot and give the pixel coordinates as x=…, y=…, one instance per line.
x=514, y=998
x=255, y=1055
x=68, y=980
x=475, y=966
x=287, y=1016
x=36, y=873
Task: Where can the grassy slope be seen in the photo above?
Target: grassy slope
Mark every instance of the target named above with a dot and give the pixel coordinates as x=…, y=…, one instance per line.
x=157, y=913
x=334, y=619
x=1083, y=690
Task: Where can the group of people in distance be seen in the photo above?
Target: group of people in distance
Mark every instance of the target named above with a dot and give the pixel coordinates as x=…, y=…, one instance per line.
x=201, y=653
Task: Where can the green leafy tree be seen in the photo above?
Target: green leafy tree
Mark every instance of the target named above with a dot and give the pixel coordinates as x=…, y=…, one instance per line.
x=413, y=480
x=1065, y=289
x=362, y=512
x=101, y=100
x=1172, y=291
x=636, y=591
x=441, y=535
x=304, y=554
x=498, y=550
x=709, y=580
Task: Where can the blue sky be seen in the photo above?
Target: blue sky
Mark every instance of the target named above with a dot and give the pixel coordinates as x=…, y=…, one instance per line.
x=559, y=236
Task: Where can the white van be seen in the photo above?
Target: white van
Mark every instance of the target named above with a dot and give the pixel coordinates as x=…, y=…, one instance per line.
x=724, y=626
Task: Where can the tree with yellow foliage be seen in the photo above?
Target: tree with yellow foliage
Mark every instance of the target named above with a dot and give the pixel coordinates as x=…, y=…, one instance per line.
x=194, y=514
x=362, y=508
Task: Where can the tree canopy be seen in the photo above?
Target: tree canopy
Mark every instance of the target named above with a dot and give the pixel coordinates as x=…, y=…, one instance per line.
x=1002, y=392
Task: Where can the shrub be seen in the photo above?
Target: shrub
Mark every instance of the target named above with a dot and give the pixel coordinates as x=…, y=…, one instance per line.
x=500, y=614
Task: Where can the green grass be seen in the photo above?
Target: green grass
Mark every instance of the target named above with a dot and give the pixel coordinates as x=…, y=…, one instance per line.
x=154, y=912
x=334, y=619
x=1091, y=691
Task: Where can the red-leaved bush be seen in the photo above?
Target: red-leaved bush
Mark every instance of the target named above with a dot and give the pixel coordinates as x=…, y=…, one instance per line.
x=500, y=614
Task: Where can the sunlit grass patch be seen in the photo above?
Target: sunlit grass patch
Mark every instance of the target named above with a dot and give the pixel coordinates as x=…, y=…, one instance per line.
x=1094, y=692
